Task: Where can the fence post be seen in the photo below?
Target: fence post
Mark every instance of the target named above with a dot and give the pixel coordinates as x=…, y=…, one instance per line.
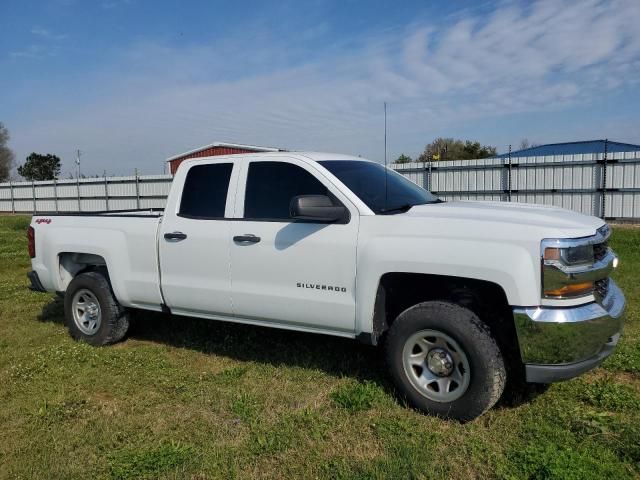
x=509, y=175
x=137, y=191
x=603, y=200
x=106, y=190
x=429, y=177
x=425, y=184
x=13, y=204
x=33, y=194
x=78, y=188
x=55, y=193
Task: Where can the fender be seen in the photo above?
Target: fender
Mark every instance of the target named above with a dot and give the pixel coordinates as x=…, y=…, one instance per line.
x=503, y=263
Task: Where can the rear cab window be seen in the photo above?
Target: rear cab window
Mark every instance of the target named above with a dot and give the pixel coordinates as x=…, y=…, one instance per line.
x=204, y=194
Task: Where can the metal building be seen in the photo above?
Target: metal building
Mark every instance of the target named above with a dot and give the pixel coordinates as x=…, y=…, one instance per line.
x=574, y=148
x=213, y=149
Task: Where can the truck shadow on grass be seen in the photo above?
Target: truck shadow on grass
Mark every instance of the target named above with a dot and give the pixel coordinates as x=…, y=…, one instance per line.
x=336, y=356
x=276, y=347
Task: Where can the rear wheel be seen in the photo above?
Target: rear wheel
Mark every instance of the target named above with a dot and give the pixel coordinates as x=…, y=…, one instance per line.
x=92, y=312
x=444, y=360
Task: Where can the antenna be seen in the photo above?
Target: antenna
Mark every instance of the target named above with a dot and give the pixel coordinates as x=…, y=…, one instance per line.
x=386, y=172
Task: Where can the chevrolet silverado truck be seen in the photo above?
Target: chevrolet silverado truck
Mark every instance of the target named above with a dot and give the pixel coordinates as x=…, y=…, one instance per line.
x=463, y=296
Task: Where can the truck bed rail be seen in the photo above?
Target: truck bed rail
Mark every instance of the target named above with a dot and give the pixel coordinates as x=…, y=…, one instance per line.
x=141, y=212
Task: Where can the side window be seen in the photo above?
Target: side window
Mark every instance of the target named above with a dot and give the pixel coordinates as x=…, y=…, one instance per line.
x=204, y=194
x=272, y=185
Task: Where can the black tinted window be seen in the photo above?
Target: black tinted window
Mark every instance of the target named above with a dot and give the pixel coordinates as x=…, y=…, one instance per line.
x=272, y=185
x=205, y=191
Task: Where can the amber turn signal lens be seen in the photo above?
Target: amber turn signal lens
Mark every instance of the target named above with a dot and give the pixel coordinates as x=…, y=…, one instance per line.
x=571, y=290
x=552, y=254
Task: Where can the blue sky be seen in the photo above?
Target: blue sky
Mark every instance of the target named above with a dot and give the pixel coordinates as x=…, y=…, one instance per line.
x=131, y=82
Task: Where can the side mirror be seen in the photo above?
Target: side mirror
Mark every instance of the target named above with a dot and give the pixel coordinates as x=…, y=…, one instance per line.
x=317, y=208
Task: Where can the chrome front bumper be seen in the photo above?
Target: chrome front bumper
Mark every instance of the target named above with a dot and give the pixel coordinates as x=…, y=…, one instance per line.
x=561, y=343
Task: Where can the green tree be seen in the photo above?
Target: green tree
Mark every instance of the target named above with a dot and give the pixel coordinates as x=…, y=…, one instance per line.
x=455, y=149
x=403, y=159
x=40, y=167
x=475, y=150
x=6, y=155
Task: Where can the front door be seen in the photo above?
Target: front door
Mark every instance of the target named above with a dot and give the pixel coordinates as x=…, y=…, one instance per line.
x=285, y=271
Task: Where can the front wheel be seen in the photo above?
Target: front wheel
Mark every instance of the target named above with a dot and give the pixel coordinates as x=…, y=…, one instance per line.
x=444, y=360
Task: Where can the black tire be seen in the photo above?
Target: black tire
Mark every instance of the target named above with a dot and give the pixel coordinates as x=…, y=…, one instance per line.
x=486, y=365
x=114, y=319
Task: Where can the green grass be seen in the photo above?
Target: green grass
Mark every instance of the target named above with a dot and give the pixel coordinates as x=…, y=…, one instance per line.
x=149, y=462
x=188, y=398
x=357, y=396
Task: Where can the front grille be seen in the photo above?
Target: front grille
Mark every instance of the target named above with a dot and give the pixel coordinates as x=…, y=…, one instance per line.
x=600, y=250
x=601, y=288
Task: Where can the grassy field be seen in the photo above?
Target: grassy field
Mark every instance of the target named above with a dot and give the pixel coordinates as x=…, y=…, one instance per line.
x=185, y=398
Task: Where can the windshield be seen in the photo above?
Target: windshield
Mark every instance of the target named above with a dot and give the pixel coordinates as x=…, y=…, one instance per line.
x=393, y=194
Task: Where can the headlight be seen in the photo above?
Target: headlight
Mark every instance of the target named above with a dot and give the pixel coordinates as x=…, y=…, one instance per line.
x=560, y=264
x=569, y=256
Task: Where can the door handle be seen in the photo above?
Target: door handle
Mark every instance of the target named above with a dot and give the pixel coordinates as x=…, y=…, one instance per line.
x=175, y=236
x=246, y=238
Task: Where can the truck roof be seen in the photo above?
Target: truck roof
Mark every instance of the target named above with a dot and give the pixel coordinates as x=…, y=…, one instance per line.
x=314, y=156
x=317, y=156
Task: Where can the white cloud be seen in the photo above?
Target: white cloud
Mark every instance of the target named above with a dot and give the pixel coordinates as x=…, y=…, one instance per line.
x=161, y=100
x=35, y=51
x=45, y=46
x=47, y=34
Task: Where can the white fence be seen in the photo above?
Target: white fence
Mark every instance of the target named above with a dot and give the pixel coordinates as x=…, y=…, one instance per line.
x=588, y=183
x=594, y=184
x=86, y=194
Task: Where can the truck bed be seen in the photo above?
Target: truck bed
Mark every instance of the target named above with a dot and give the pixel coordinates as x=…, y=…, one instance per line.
x=125, y=241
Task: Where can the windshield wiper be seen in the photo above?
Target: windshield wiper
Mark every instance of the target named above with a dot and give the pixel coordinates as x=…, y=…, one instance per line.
x=402, y=208
x=406, y=207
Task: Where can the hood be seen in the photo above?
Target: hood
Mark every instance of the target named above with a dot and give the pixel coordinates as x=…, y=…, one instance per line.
x=558, y=221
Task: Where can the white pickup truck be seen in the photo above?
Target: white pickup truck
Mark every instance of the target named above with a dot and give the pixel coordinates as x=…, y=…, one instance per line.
x=463, y=295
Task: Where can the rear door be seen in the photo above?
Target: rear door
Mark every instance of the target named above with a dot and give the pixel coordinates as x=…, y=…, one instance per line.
x=286, y=271
x=194, y=241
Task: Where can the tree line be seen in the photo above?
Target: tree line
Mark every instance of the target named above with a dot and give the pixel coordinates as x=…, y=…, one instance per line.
x=36, y=166
x=456, y=149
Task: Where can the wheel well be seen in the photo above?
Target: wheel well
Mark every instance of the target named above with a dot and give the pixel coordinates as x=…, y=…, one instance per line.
x=399, y=291
x=72, y=264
